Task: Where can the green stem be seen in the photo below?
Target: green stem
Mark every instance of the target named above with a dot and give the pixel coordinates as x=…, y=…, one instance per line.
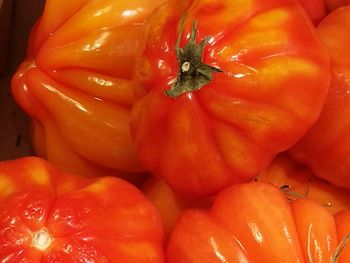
x=193, y=73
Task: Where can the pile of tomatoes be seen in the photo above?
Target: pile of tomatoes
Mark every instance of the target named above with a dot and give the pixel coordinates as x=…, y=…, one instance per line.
x=183, y=131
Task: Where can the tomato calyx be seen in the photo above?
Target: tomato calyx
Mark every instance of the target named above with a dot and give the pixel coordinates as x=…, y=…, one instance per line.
x=193, y=73
x=41, y=239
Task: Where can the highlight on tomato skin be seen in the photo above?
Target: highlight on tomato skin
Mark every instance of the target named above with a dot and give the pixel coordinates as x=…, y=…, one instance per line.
x=298, y=182
x=325, y=147
x=254, y=222
x=76, y=84
x=50, y=216
x=261, y=64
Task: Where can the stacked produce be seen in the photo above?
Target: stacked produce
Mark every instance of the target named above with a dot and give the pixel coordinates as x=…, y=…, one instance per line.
x=182, y=131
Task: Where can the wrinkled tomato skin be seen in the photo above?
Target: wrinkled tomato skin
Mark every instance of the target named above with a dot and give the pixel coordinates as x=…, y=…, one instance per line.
x=297, y=181
x=262, y=103
x=86, y=220
x=76, y=84
x=325, y=148
x=255, y=223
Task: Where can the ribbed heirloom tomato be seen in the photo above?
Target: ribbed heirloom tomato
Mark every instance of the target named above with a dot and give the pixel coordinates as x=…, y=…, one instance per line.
x=254, y=223
x=76, y=84
x=50, y=216
x=222, y=87
x=326, y=147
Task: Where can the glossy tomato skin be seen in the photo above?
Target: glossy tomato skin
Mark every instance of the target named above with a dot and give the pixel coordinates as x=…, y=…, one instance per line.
x=50, y=216
x=261, y=103
x=254, y=223
x=325, y=148
x=297, y=181
x=76, y=84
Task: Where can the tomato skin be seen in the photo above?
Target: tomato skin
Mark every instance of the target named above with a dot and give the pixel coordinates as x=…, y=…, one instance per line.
x=76, y=84
x=325, y=148
x=170, y=204
x=229, y=130
x=98, y=220
x=315, y=9
x=331, y=5
x=297, y=181
x=266, y=226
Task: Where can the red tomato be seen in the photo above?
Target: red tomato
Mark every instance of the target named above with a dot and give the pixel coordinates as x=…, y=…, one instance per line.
x=49, y=216
x=254, y=223
x=203, y=125
x=297, y=181
x=76, y=84
x=326, y=147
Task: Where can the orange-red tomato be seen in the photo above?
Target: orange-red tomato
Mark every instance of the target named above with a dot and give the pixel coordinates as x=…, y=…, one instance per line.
x=203, y=125
x=326, y=147
x=76, y=84
x=255, y=223
x=297, y=181
x=50, y=216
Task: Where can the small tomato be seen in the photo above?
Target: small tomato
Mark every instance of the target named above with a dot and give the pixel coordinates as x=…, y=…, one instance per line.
x=297, y=181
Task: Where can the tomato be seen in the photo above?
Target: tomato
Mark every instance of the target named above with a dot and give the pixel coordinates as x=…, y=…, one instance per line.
x=203, y=125
x=253, y=223
x=170, y=204
x=297, y=181
x=325, y=148
x=315, y=9
x=50, y=216
x=331, y=5
x=76, y=84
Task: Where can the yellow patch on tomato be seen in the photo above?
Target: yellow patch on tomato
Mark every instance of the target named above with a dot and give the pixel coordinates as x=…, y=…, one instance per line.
x=138, y=250
x=39, y=175
x=7, y=185
x=273, y=18
x=97, y=187
x=277, y=69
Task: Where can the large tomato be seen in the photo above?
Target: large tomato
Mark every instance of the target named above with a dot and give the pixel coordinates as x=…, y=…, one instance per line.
x=254, y=223
x=222, y=87
x=326, y=147
x=76, y=83
x=49, y=216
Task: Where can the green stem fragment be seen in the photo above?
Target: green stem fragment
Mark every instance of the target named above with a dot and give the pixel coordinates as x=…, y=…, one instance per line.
x=193, y=73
